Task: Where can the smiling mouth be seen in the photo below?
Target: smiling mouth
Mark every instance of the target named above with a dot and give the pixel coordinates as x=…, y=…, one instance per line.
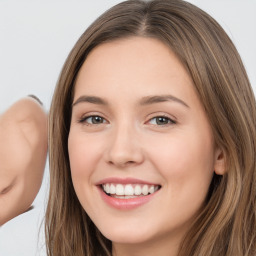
x=127, y=191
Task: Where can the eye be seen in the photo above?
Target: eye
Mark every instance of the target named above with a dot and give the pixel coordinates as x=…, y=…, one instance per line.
x=161, y=120
x=91, y=120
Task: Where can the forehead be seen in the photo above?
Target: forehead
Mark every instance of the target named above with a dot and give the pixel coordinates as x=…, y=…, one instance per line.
x=132, y=65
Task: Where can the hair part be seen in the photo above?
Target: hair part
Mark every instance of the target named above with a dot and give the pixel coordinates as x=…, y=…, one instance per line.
x=226, y=223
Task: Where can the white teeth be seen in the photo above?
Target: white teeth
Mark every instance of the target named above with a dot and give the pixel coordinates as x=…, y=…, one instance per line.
x=107, y=188
x=151, y=190
x=137, y=190
x=145, y=190
x=112, y=189
x=119, y=190
x=129, y=190
x=124, y=197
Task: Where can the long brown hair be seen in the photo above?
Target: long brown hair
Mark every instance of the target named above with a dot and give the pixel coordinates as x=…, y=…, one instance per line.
x=227, y=223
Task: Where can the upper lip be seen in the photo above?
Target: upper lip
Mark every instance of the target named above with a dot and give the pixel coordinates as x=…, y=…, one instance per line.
x=128, y=180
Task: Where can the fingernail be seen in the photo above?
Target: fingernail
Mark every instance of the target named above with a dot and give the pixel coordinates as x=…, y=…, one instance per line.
x=37, y=99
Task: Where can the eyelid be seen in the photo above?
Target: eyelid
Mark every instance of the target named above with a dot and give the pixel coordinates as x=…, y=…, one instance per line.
x=165, y=117
x=82, y=120
x=170, y=122
x=160, y=114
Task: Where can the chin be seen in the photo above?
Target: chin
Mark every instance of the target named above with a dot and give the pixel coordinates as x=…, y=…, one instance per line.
x=126, y=234
x=127, y=239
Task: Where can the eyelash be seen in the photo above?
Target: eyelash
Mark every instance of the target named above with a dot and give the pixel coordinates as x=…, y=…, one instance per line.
x=83, y=120
x=167, y=120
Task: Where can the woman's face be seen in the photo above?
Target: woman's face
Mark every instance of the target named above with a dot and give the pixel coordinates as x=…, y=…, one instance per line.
x=141, y=149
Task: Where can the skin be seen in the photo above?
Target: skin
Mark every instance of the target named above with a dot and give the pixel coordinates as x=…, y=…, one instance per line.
x=23, y=150
x=180, y=155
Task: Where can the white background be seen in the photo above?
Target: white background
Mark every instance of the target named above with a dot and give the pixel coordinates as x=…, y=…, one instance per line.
x=35, y=39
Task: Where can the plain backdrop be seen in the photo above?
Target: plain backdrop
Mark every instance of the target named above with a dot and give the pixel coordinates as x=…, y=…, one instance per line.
x=35, y=39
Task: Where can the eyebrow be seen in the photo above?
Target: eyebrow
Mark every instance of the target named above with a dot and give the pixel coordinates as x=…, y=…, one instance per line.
x=161, y=98
x=90, y=99
x=148, y=100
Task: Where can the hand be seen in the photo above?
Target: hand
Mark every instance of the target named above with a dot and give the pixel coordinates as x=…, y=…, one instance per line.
x=23, y=150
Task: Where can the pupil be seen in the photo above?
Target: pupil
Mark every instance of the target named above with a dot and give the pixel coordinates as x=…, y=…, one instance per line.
x=162, y=120
x=96, y=120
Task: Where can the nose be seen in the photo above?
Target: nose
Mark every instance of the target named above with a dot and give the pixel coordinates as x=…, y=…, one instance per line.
x=124, y=147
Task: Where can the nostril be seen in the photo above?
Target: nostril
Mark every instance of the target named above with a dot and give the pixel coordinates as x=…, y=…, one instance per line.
x=130, y=162
x=122, y=163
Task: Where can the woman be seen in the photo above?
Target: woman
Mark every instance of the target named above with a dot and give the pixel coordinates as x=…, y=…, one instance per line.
x=152, y=138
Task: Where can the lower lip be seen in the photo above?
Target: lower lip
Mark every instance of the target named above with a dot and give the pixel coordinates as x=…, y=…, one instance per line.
x=125, y=204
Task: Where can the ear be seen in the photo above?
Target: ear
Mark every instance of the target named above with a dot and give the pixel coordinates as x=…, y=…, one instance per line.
x=219, y=162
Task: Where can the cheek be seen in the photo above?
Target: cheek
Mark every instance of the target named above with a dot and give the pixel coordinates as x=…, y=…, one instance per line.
x=185, y=161
x=186, y=165
x=181, y=151
x=84, y=156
